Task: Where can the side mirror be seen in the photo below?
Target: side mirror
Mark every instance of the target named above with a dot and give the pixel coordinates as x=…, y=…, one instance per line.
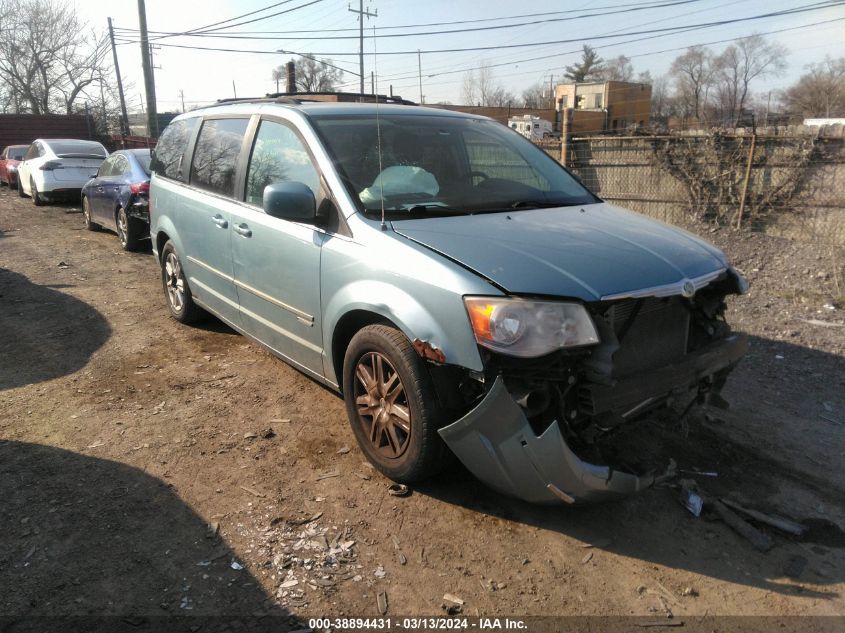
x=290, y=201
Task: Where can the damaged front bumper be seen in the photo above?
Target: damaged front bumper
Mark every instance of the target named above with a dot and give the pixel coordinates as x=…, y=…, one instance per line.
x=496, y=443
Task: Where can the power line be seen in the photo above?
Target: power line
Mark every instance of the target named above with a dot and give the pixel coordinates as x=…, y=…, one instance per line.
x=649, y=33
x=665, y=50
x=446, y=32
x=802, y=9
x=427, y=24
x=451, y=64
x=208, y=29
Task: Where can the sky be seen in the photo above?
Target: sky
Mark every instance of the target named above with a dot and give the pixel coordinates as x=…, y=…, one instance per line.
x=523, y=46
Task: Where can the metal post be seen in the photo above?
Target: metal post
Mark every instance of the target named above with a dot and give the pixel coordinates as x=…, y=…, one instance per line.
x=745, y=181
x=419, y=69
x=149, y=81
x=124, y=117
x=566, y=136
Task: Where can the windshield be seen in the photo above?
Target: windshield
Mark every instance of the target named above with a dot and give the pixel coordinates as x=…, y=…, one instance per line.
x=77, y=148
x=436, y=165
x=17, y=153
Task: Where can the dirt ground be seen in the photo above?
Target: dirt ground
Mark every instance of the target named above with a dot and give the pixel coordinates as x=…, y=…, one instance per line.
x=150, y=468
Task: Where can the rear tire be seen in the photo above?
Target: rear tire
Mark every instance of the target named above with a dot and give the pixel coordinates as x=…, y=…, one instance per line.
x=391, y=404
x=37, y=200
x=86, y=216
x=177, y=293
x=127, y=230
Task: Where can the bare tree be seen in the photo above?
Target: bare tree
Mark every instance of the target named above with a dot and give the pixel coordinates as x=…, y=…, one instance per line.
x=48, y=61
x=312, y=75
x=738, y=66
x=590, y=66
x=480, y=88
x=469, y=89
x=617, y=69
x=279, y=73
x=693, y=73
x=537, y=96
x=820, y=92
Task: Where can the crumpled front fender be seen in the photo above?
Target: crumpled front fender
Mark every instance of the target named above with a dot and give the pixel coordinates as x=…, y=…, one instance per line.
x=497, y=444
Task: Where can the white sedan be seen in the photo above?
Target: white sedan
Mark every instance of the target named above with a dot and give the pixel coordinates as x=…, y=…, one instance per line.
x=58, y=168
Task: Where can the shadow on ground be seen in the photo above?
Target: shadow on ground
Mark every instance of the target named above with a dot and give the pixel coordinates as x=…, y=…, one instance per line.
x=46, y=333
x=655, y=528
x=88, y=537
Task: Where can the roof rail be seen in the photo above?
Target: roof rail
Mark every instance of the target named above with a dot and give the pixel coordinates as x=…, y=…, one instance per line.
x=296, y=98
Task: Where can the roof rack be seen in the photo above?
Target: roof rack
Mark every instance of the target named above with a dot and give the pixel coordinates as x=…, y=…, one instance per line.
x=297, y=98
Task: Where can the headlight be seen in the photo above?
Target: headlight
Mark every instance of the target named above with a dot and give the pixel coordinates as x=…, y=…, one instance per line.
x=517, y=327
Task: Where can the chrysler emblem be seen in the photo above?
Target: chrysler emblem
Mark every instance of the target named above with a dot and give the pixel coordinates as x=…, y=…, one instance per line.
x=688, y=289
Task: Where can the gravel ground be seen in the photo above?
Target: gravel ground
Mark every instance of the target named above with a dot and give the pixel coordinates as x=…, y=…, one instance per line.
x=150, y=468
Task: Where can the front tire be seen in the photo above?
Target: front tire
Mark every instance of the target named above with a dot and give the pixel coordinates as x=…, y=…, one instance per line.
x=37, y=200
x=176, y=290
x=127, y=230
x=86, y=215
x=391, y=404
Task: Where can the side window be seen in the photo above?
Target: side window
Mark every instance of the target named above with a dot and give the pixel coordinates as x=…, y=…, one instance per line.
x=32, y=152
x=496, y=160
x=121, y=166
x=106, y=167
x=170, y=150
x=278, y=155
x=216, y=155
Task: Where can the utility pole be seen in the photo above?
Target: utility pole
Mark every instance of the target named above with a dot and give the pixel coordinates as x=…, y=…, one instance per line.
x=149, y=80
x=182, y=97
x=124, y=118
x=234, y=89
x=361, y=15
x=372, y=82
x=419, y=69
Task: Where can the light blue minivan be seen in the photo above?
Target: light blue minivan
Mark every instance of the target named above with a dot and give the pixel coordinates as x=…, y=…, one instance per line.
x=467, y=295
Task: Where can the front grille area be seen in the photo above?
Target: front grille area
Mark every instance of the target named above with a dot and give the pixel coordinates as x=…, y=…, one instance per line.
x=652, y=333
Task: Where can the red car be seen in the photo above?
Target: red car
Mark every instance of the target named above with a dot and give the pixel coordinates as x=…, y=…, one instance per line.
x=9, y=160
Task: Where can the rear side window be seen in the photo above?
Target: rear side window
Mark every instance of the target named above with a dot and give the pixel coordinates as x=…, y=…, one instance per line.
x=216, y=155
x=107, y=168
x=171, y=148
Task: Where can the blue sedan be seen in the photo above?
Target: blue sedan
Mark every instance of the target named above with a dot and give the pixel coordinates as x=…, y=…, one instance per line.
x=117, y=197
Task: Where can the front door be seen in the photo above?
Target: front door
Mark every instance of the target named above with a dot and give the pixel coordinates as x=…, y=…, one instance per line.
x=277, y=262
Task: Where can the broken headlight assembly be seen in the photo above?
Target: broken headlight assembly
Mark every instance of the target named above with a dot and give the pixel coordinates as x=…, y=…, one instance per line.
x=528, y=329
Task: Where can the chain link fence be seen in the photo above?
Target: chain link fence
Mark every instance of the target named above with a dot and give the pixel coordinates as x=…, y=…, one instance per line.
x=791, y=186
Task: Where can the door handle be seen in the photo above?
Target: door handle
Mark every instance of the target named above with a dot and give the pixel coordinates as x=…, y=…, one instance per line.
x=220, y=221
x=242, y=229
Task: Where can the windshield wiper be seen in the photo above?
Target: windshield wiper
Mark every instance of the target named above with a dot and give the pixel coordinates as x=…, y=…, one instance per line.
x=542, y=204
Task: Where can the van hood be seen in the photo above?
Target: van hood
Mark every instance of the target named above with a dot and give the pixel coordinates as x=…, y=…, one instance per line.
x=589, y=252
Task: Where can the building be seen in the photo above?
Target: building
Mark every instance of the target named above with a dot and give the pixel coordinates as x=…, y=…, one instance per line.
x=604, y=106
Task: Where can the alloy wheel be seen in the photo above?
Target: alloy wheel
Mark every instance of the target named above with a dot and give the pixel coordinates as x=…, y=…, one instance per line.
x=122, y=227
x=382, y=405
x=174, y=282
